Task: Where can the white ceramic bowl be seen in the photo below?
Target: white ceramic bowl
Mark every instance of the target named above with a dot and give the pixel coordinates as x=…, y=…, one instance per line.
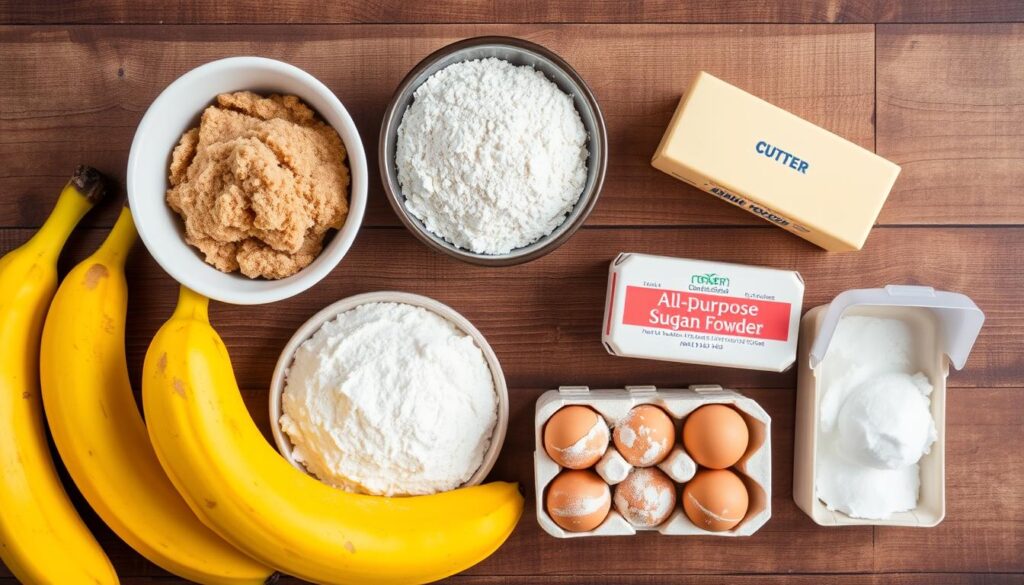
x=177, y=109
x=314, y=323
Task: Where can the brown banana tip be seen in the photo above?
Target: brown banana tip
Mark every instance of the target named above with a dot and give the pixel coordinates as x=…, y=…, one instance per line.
x=273, y=578
x=90, y=183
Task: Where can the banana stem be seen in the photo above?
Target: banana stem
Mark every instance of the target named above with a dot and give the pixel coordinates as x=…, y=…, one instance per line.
x=115, y=248
x=82, y=191
x=191, y=305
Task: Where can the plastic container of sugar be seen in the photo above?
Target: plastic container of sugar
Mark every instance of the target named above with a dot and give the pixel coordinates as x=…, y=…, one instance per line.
x=754, y=468
x=935, y=329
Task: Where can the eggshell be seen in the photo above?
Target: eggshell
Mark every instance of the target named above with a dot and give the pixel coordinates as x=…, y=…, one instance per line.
x=716, y=436
x=644, y=436
x=715, y=499
x=576, y=437
x=578, y=500
x=646, y=497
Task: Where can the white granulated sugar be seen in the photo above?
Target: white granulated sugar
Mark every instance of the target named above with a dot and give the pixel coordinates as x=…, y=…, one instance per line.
x=390, y=399
x=875, y=421
x=491, y=156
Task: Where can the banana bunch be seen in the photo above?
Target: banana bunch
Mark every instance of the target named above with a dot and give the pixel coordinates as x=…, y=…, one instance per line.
x=246, y=492
x=100, y=433
x=42, y=538
x=239, y=507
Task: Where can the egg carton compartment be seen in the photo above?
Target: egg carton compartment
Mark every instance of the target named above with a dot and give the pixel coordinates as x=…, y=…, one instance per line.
x=613, y=467
x=753, y=468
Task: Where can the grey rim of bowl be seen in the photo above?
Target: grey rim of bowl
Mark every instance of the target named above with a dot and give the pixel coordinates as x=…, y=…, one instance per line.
x=588, y=198
x=314, y=323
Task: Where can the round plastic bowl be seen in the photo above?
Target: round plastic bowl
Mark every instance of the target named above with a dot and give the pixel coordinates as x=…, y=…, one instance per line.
x=176, y=110
x=517, y=52
x=314, y=323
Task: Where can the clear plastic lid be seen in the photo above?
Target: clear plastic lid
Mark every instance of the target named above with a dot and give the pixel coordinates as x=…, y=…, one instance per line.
x=959, y=318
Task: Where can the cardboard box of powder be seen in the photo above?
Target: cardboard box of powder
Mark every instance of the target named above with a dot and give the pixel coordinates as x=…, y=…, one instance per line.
x=775, y=165
x=700, y=312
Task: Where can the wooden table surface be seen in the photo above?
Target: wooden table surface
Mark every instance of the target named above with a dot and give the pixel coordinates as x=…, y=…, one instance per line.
x=936, y=86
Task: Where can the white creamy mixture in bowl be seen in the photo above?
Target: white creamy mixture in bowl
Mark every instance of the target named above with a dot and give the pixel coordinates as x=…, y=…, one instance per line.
x=390, y=394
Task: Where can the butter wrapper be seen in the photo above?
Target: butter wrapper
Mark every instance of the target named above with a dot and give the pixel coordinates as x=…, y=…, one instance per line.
x=780, y=167
x=700, y=312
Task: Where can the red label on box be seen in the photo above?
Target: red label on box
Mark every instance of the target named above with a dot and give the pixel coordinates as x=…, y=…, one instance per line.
x=705, y=313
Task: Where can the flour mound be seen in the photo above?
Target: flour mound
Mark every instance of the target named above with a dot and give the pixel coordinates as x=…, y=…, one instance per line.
x=491, y=156
x=390, y=399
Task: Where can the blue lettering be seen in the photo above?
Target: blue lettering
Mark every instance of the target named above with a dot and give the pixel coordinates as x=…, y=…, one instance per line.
x=781, y=156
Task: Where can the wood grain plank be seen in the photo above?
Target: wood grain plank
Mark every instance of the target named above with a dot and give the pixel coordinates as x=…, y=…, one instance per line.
x=952, y=11
x=398, y=11
x=788, y=579
x=543, y=318
x=951, y=112
x=631, y=579
x=521, y=11
x=76, y=94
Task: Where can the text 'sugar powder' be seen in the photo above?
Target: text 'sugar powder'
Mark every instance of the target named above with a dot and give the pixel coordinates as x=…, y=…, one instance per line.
x=701, y=312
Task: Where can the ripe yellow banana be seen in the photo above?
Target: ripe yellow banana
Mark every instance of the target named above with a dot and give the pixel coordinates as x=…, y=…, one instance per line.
x=42, y=538
x=99, y=431
x=248, y=493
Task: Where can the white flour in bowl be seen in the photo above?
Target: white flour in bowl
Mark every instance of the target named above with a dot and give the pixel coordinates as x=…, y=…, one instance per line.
x=491, y=156
x=390, y=399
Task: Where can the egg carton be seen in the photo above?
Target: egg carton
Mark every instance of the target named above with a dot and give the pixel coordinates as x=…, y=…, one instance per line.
x=754, y=468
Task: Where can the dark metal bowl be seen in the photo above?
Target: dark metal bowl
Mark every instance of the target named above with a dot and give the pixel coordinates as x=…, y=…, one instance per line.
x=517, y=52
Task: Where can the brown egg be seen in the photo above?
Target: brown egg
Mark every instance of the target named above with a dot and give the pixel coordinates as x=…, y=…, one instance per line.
x=715, y=499
x=576, y=437
x=716, y=436
x=645, y=436
x=646, y=497
x=578, y=500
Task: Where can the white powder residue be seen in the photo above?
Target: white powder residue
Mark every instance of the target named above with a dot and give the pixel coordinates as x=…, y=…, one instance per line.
x=654, y=449
x=709, y=515
x=588, y=446
x=491, y=156
x=875, y=420
x=627, y=436
x=645, y=498
x=390, y=399
x=582, y=506
x=644, y=443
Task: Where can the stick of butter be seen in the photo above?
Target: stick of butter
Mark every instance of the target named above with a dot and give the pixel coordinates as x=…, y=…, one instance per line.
x=700, y=312
x=774, y=164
